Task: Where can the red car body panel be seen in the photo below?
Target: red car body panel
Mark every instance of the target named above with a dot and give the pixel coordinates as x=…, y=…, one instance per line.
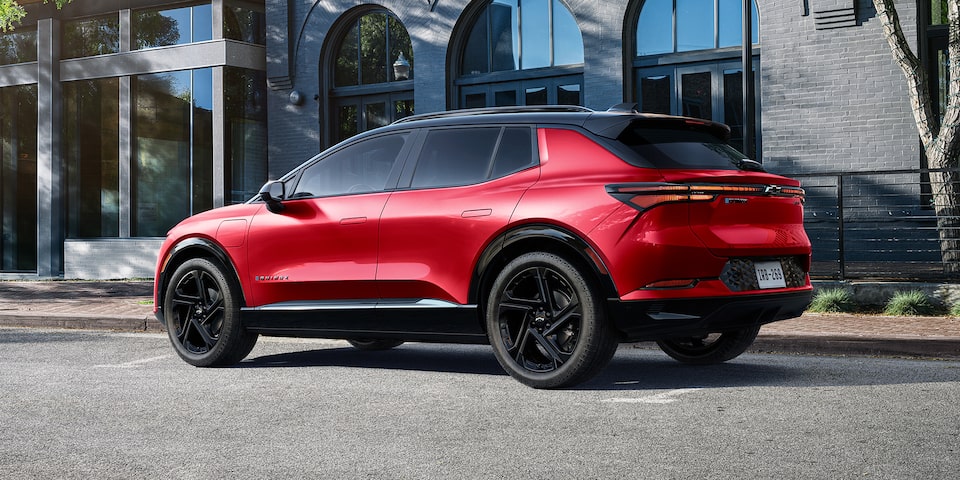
x=430, y=239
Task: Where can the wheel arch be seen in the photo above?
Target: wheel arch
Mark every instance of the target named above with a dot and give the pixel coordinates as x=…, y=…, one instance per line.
x=195, y=247
x=537, y=237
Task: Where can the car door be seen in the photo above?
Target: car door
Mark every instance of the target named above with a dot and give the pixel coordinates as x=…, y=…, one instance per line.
x=322, y=246
x=459, y=195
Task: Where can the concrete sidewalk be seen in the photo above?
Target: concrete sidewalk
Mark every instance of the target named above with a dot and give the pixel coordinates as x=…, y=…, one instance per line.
x=128, y=306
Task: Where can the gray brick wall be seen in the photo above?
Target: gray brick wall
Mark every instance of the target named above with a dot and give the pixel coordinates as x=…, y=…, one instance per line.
x=833, y=100
x=110, y=258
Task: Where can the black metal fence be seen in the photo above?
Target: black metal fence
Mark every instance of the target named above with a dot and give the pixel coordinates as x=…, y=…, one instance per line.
x=873, y=225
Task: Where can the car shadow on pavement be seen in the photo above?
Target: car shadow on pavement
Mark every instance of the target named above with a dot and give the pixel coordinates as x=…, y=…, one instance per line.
x=631, y=368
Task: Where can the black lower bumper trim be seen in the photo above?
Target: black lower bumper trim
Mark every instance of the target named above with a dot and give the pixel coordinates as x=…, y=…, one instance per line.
x=658, y=319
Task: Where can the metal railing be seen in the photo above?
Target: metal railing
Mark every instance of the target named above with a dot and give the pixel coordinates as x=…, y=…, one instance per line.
x=873, y=225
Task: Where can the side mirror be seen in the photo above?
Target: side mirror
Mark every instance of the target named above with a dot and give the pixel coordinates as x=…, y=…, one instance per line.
x=272, y=194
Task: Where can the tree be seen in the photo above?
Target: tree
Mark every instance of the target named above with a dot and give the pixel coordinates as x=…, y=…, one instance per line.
x=940, y=137
x=11, y=13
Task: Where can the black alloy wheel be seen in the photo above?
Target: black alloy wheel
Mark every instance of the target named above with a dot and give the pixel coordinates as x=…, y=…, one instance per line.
x=545, y=323
x=709, y=349
x=202, y=312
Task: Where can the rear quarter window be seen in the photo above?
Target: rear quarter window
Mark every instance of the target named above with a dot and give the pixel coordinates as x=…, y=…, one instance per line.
x=681, y=149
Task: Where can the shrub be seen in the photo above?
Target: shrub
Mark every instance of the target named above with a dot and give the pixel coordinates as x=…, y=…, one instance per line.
x=832, y=300
x=955, y=310
x=913, y=302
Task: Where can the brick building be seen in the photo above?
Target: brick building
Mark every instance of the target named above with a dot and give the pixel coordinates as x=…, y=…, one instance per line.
x=121, y=117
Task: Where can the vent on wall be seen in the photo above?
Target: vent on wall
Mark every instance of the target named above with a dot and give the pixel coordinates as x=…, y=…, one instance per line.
x=831, y=14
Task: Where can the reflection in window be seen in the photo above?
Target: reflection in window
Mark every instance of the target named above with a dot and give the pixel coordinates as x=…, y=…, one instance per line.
x=91, y=36
x=244, y=22
x=91, y=154
x=455, y=157
x=655, y=94
x=367, y=53
x=360, y=168
x=245, y=142
x=18, y=178
x=518, y=35
x=178, y=26
x=938, y=12
x=19, y=46
x=699, y=25
x=173, y=151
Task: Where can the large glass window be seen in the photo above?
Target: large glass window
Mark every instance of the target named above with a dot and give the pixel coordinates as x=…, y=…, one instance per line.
x=245, y=145
x=18, y=178
x=373, y=67
x=176, y=26
x=91, y=154
x=710, y=88
x=173, y=149
x=668, y=26
x=91, y=36
x=370, y=49
x=520, y=35
x=244, y=21
x=521, y=52
x=19, y=46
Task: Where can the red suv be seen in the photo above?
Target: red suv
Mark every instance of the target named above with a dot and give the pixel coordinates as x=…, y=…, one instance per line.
x=552, y=234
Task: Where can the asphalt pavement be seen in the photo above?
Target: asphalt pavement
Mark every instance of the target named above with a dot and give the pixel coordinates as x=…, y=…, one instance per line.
x=128, y=306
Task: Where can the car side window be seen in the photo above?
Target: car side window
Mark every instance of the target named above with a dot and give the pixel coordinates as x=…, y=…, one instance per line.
x=458, y=156
x=363, y=167
x=515, y=152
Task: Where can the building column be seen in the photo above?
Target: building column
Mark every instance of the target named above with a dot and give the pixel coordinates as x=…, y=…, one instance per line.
x=49, y=169
x=126, y=130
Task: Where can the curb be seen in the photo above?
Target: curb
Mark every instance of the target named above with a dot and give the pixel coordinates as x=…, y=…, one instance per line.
x=947, y=348
x=82, y=322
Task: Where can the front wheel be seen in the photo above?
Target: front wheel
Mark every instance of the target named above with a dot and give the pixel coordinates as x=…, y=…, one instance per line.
x=202, y=309
x=546, y=324
x=709, y=349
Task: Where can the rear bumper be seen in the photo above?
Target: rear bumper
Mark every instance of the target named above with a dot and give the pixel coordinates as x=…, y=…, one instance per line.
x=680, y=317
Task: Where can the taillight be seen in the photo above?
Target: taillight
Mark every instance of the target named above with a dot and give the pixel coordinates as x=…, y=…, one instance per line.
x=644, y=196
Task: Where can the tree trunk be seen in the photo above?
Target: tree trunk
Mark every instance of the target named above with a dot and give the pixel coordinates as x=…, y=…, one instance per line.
x=939, y=136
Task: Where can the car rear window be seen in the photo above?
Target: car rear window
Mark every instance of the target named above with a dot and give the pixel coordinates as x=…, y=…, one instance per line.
x=675, y=148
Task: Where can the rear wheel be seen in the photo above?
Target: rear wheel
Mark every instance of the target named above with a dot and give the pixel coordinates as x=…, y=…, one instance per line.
x=546, y=324
x=370, y=344
x=709, y=349
x=202, y=310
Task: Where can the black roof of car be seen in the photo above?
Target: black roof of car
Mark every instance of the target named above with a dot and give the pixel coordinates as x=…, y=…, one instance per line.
x=607, y=124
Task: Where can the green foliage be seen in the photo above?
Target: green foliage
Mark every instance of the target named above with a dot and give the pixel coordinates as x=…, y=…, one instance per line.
x=955, y=310
x=832, y=300
x=913, y=302
x=11, y=13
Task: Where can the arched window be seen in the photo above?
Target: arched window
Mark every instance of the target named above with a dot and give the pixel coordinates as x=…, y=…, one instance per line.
x=371, y=83
x=708, y=84
x=518, y=52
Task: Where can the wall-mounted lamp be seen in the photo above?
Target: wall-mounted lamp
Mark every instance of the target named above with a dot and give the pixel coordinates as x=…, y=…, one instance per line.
x=296, y=98
x=401, y=68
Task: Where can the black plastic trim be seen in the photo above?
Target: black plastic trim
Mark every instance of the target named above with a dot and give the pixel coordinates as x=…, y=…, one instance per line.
x=685, y=317
x=177, y=253
x=405, y=319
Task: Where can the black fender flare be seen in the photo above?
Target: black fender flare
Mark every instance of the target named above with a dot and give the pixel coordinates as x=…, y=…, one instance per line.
x=547, y=238
x=181, y=251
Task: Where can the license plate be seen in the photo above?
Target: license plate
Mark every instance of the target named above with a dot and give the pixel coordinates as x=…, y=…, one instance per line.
x=770, y=275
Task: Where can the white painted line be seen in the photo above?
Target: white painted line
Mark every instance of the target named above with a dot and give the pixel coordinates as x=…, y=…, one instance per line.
x=660, y=398
x=135, y=363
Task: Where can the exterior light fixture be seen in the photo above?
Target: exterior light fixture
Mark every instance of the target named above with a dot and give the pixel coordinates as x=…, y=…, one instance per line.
x=401, y=68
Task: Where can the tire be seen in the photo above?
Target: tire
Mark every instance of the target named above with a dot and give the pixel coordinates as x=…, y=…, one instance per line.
x=372, y=345
x=710, y=349
x=202, y=310
x=545, y=322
